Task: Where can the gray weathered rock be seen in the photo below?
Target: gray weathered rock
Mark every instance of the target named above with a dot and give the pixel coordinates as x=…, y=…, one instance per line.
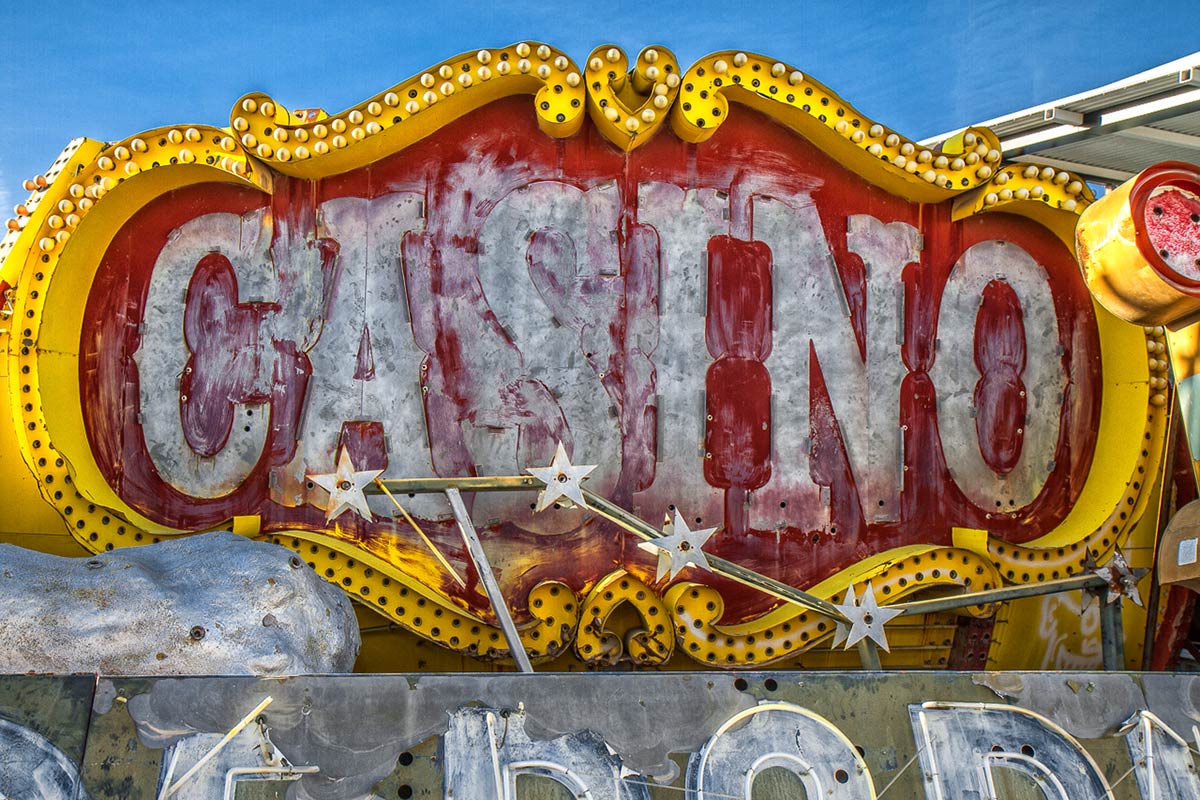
x=212, y=604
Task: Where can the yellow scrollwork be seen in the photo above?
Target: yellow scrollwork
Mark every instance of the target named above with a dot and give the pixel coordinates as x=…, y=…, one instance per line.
x=788, y=631
x=412, y=110
x=630, y=107
x=786, y=94
x=643, y=636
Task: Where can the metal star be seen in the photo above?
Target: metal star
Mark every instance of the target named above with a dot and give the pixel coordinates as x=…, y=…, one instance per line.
x=866, y=619
x=1122, y=580
x=345, y=487
x=679, y=547
x=561, y=479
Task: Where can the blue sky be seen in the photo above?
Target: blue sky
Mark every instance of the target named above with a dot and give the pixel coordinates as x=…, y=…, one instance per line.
x=107, y=70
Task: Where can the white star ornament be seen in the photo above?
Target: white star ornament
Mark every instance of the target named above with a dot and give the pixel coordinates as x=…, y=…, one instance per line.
x=562, y=480
x=866, y=619
x=345, y=487
x=679, y=548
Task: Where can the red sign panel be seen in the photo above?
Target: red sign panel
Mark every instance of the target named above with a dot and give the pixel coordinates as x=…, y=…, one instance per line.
x=742, y=329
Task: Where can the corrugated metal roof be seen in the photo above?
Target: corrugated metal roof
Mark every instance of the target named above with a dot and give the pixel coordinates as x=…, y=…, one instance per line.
x=1112, y=132
x=1114, y=152
x=1185, y=123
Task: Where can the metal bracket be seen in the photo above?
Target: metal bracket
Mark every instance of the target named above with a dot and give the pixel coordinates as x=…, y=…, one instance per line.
x=484, y=568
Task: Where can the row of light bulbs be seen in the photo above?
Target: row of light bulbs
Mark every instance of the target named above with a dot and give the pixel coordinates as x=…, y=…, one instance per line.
x=303, y=142
x=336, y=134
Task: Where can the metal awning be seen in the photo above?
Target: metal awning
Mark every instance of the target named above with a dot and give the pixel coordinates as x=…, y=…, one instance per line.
x=1108, y=135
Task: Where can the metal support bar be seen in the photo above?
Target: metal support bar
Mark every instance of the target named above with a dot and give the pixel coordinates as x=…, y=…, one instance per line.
x=869, y=652
x=735, y=572
x=960, y=601
x=499, y=483
x=1119, y=636
x=720, y=566
x=499, y=604
x=615, y=514
x=170, y=789
x=1112, y=635
x=1148, y=737
x=428, y=543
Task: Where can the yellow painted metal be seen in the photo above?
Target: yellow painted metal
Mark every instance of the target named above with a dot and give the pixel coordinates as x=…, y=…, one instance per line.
x=412, y=110
x=416, y=528
x=422, y=609
x=1183, y=354
x=971, y=539
x=1030, y=190
x=249, y=526
x=882, y=156
x=787, y=631
x=1184, y=351
x=25, y=514
x=645, y=637
x=52, y=436
x=915, y=643
x=627, y=106
x=1065, y=637
x=1117, y=272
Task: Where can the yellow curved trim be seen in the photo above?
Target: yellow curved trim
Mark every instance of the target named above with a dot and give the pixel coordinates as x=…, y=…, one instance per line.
x=787, y=631
x=1032, y=191
x=627, y=106
x=884, y=157
x=594, y=642
x=70, y=275
x=412, y=110
x=54, y=260
x=414, y=605
x=1124, y=466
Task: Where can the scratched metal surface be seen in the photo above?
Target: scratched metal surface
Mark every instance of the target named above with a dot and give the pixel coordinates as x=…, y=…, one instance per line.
x=43, y=727
x=741, y=329
x=641, y=735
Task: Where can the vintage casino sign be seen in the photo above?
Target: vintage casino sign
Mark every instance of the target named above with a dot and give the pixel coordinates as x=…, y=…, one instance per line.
x=861, y=359
x=1020, y=736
